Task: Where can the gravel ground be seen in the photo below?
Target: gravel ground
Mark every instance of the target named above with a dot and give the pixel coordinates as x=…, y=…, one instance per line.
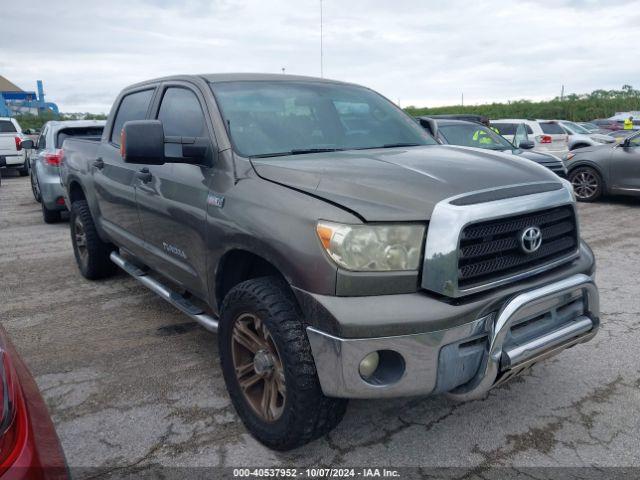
x=132, y=383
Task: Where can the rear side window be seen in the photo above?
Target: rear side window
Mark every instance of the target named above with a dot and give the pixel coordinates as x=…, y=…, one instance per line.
x=7, y=127
x=85, y=132
x=551, y=128
x=42, y=139
x=505, y=128
x=133, y=107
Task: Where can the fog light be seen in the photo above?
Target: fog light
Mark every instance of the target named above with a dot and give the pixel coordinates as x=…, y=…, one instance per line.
x=369, y=364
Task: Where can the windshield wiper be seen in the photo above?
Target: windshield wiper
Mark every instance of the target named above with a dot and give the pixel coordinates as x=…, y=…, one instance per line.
x=391, y=145
x=296, y=151
x=394, y=145
x=300, y=151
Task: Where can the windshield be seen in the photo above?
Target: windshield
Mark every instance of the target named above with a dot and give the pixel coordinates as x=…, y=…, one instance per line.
x=575, y=128
x=287, y=118
x=474, y=135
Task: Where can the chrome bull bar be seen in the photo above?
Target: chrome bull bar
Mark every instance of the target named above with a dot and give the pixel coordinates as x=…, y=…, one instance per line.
x=500, y=363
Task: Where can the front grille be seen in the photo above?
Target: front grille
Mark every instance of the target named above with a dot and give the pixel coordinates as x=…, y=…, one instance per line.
x=491, y=250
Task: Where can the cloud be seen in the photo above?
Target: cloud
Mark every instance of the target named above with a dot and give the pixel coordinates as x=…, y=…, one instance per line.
x=415, y=51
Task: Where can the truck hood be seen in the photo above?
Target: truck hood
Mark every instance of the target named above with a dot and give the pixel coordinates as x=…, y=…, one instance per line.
x=400, y=184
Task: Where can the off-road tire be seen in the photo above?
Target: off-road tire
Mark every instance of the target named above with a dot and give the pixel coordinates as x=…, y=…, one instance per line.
x=307, y=413
x=96, y=263
x=50, y=216
x=583, y=194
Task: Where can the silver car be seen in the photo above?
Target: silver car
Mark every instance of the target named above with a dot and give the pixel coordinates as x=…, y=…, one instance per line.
x=45, y=162
x=580, y=137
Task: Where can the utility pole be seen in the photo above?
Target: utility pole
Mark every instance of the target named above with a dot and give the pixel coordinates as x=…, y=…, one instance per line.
x=463, y=99
x=321, y=53
x=562, y=93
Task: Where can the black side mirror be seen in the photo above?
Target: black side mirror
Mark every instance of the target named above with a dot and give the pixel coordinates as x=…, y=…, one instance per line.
x=27, y=144
x=526, y=145
x=142, y=141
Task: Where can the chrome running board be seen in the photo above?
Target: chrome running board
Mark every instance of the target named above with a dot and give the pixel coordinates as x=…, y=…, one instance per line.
x=207, y=321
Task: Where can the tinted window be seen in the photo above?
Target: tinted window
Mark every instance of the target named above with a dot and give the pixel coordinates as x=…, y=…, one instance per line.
x=505, y=128
x=133, y=107
x=181, y=114
x=280, y=118
x=474, y=135
x=87, y=132
x=551, y=128
x=7, y=127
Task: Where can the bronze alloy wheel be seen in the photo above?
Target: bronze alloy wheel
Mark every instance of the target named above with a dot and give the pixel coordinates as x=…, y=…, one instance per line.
x=80, y=239
x=585, y=184
x=258, y=367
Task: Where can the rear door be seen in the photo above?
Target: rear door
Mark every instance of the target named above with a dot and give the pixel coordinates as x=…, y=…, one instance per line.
x=115, y=180
x=625, y=166
x=173, y=202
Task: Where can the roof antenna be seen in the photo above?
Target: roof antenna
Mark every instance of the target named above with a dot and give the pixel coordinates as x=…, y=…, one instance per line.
x=233, y=155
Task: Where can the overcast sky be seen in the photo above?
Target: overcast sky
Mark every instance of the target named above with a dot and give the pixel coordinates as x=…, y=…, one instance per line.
x=418, y=52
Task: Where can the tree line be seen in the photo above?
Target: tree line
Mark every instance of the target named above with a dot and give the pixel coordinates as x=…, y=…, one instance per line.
x=576, y=107
x=35, y=122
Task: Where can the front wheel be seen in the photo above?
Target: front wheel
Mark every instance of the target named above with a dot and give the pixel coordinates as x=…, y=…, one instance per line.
x=269, y=369
x=587, y=184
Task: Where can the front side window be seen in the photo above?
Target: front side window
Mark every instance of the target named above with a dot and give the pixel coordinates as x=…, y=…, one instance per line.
x=286, y=118
x=474, y=135
x=181, y=114
x=134, y=106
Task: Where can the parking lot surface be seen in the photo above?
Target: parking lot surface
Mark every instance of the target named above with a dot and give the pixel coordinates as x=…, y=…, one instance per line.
x=132, y=383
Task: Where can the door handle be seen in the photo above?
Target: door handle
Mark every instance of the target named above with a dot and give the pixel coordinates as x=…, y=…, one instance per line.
x=144, y=175
x=98, y=163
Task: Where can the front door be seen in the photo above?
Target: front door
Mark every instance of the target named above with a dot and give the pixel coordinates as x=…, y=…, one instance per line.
x=625, y=166
x=115, y=180
x=172, y=201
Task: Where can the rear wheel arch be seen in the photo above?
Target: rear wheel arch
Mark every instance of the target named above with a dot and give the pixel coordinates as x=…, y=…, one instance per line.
x=76, y=192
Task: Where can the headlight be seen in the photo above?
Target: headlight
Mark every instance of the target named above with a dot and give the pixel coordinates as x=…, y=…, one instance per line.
x=372, y=248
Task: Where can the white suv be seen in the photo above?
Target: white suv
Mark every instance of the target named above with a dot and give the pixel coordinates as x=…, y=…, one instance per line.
x=12, y=154
x=547, y=135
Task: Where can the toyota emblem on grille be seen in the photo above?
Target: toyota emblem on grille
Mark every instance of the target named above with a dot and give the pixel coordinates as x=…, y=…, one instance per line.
x=531, y=239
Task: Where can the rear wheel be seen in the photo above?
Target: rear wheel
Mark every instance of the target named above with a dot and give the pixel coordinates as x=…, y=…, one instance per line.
x=587, y=184
x=50, y=216
x=35, y=187
x=269, y=369
x=24, y=170
x=92, y=254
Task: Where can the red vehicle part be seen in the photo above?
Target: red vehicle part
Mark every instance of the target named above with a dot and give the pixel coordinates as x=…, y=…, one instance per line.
x=29, y=445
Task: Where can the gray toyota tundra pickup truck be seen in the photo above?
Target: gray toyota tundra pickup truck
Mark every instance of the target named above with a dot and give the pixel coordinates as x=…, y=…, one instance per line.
x=335, y=247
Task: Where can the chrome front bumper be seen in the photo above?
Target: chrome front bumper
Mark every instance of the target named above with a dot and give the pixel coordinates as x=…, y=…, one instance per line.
x=468, y=360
